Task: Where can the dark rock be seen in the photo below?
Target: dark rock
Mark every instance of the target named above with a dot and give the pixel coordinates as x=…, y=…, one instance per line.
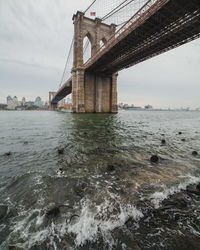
x=180, y=133
x=184, y=242
x=11, y=247
x=8, y=153
x=110, y=168
x=25, y=142
x=154, y=158
x=194, y=153
x=85, y=133
x=183, y=139
x=3, y=211
x=61, y=151
x=175, y=203
x=61, y=170
x=192, y=191
x=163, y=141
x=198, y=186
x=53, y=212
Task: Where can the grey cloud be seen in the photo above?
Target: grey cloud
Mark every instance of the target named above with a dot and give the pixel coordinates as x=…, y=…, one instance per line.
x=35, y=37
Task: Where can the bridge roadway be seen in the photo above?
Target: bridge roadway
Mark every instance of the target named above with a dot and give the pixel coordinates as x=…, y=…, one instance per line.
x=164, y=26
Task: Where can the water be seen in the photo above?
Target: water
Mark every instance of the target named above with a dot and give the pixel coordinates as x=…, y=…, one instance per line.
x=102, y=191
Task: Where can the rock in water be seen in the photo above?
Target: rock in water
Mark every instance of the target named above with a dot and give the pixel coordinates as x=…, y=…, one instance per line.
x=194, y=153
x=180, y=133
x=198, y=186
x=61, y=151
x=154, y=158
x=53, y=212
x=15, y=248
x=8, y=153
x=110, y=168
x=163, y=141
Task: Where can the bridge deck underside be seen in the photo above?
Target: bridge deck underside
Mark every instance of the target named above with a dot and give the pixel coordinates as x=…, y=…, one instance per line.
x=65, y=90
x=176, y=23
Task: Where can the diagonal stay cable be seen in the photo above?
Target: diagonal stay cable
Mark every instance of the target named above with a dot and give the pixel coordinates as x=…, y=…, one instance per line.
x=105, y=17
x=66, y=62
x=115, y=10
x=89, y=6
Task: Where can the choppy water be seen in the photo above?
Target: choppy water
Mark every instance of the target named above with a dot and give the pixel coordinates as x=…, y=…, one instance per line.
x=101, y=191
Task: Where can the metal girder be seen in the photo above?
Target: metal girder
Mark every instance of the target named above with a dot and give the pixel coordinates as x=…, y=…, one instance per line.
x=170, y=25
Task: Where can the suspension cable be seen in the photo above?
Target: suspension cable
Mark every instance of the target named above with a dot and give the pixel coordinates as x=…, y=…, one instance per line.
x=90, y=6
x=67, y=62
x=105, y=17
x=86, y=46
x=115, y=11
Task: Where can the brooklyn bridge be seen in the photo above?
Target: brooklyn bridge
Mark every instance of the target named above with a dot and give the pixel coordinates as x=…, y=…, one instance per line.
x=152, y=28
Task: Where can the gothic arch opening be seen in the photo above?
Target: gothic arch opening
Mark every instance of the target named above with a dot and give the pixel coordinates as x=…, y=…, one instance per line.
x=87, y=47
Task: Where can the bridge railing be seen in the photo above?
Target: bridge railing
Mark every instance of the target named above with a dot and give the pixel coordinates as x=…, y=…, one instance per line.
x=149, y=8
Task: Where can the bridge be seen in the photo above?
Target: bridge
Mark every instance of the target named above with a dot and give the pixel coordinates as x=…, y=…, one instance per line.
x=156, y=27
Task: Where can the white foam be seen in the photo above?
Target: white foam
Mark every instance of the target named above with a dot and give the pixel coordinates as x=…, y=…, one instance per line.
x=101, y=219
x=157, y=197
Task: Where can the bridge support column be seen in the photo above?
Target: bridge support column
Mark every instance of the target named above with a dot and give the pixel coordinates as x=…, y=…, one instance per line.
x=74, y=87
x=78, y=91
x=94, y=94
x=114, y=107
x=52, y=106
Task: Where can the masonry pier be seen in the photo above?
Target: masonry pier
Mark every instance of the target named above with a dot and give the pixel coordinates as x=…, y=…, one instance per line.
x=91, y=92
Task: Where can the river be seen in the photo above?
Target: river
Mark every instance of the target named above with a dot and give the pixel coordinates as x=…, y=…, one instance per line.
x=85, y=181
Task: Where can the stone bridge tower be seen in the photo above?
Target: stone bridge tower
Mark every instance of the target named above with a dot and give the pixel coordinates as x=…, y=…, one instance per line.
x=51, y=96
x=90, y=92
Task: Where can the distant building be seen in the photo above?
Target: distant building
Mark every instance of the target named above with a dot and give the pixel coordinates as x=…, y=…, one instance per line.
x=69, y=100
x=68, y=106
x=46, y=105
x=12, y=103
x=15, y=101
x=148, y=107
x=3, y=106
x=61, y=103
x=23, y=101
x=38, y=102
x=9, y=98
x=29, y=103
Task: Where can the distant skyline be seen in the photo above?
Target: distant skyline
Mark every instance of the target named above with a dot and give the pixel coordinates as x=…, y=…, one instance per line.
x=20, y=98
x=35, y=38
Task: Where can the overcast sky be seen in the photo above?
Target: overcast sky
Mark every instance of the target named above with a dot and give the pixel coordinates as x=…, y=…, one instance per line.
x=35, y=36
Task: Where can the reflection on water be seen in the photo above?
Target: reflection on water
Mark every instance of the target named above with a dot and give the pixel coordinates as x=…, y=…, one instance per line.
x=70, y=181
